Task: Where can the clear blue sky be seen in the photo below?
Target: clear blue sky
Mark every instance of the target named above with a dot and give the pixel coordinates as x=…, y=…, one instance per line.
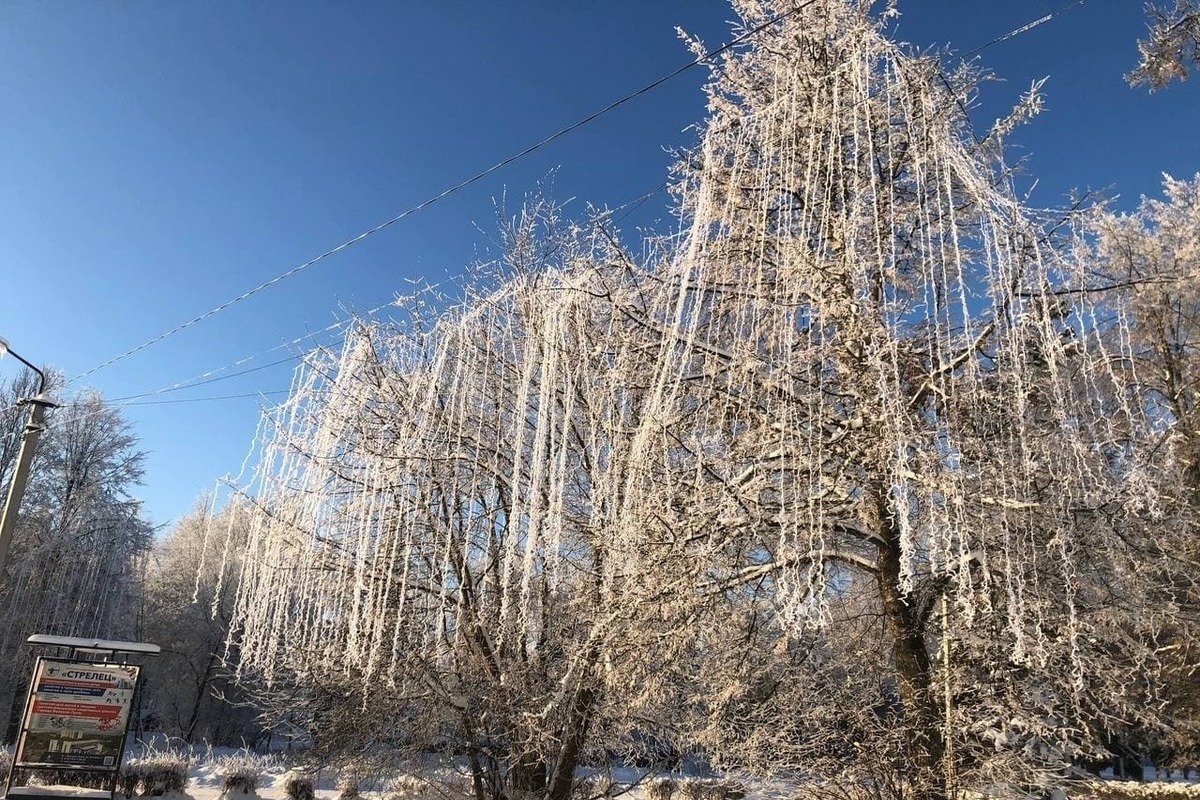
x=159, y=158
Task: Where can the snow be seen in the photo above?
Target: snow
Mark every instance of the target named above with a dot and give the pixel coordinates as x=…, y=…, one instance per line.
x=205, y=779
x=97, y=645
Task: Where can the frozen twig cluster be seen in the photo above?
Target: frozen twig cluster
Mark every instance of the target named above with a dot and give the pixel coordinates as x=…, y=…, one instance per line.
x=1171, y=48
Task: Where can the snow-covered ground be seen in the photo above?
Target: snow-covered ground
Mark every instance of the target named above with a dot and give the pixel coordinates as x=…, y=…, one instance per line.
x=209, y=769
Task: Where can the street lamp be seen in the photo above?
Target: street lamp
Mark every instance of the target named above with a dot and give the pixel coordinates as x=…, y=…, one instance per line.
x=33, y=430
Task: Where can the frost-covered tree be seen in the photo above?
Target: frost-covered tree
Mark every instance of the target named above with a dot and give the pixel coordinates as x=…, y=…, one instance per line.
x=76, y=561
x=856, y=449
x=1172, y=45
x=1153, y=254
x=434, y=546
x=189, y=693
x=884, y=386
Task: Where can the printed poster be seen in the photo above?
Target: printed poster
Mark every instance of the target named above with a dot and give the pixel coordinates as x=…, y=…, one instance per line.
x=77, y=715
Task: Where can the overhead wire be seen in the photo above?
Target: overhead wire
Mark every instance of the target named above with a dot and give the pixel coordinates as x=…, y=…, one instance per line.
x=745, y=36
x=1015, y=32
x=131, y=399
x=207, y=377
x=215, y=375
x=205, y=399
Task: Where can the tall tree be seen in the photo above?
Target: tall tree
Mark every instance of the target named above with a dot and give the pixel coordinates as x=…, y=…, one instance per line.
x=865, y=377
x=1153, y=254
x=77, y=557
x=435, y=517
x=190, y=694
x=885, y=385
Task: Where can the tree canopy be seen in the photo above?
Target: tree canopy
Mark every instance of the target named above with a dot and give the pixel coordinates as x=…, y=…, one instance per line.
x=857, y=474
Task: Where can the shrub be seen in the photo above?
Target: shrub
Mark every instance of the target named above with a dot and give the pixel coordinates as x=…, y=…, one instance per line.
x=361, y=773
x=1128, y=790
x=241, y=773
x=161, y=773
x=731, y=790
x=594, y=788
x=696, y=789
x=298, y=785
x=130, y=777
x=704, y=789
x=64, y=777
x=347, y=786
x=660, y=789
x=240, y=782
x=406, y=787
x=456, y=784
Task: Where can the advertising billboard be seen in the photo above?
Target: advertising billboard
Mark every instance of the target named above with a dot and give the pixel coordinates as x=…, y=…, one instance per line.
x=76, y=715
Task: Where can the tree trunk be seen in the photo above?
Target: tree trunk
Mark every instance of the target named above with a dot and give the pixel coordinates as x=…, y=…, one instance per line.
x=189, y=730
x=926, y=743
x=16, y=710
x=562, y=782
x=526, y=774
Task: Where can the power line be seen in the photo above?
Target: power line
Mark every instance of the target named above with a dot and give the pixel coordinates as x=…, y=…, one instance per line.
x=205, y=399
x=505, y=162
x=128, y=399
x=214, y=375
x=451, y=190
x=1015, y=32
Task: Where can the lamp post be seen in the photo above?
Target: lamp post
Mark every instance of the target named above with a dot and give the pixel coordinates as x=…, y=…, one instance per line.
x=33, y=429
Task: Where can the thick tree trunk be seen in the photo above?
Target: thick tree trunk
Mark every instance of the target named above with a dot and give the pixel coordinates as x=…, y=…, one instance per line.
x=562, y=782
x=531, y=775
x=478, y=786
x=914, y=671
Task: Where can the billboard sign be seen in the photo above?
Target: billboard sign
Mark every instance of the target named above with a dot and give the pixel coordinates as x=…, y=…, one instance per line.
x=76, y=715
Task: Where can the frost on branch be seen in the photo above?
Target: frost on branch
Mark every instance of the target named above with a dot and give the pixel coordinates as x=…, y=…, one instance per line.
x=898, y=381
x=1171, y=46
x=1154, y=253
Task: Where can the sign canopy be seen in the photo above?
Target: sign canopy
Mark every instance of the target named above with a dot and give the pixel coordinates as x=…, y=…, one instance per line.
x=94, y=645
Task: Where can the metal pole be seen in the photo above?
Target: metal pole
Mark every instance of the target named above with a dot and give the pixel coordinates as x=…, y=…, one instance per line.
x=16, y=489
x=33, y=430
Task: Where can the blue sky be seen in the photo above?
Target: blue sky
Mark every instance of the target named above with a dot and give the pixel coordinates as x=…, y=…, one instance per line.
x=159, y=158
